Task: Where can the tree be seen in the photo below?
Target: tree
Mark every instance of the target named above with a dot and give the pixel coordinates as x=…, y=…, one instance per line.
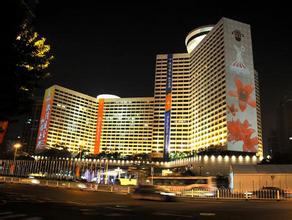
x=32, y=60
x=177, y=155
x=58, y=150
x=26, y=60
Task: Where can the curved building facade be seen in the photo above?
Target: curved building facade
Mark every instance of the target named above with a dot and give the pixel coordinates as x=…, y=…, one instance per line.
x=196, y=36
x=206, y=97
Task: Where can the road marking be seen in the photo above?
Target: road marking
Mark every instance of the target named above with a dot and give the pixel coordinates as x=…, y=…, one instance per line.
x=91, y=213
x=115, y=214
x=121, y=206
x=86, y=210
x=33, y=218
x=75, y=203
x=13, y=216
x=207, y=214
x=118, y=208
x=5, y=213
x=172, y=214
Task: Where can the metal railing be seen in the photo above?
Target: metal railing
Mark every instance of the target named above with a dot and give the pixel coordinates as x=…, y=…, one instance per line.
x=68, y=184
x=265, y=194
x=202, y=193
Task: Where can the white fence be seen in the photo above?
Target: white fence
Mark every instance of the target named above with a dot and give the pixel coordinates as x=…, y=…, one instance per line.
x=265, y=194
x=68, y=184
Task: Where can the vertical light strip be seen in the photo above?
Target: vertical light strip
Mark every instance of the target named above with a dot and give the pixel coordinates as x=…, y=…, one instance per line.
x=99, y=126
x=167, y=114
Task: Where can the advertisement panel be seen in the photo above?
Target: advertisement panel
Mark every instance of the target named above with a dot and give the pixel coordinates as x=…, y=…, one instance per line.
x=168, y=100
x=240, y=84
x=99, y=126
x=3, y=130
x=44, y=120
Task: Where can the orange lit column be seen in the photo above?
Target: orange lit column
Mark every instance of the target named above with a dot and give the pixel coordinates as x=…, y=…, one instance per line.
x=99, y=126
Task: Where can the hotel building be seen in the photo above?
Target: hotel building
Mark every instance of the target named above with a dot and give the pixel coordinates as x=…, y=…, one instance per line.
x=208, y=96
x=68, y=119
x=106, y=123
x=213, y=92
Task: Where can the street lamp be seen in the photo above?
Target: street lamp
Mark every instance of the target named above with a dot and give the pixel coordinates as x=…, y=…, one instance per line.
x=16, y=146
x=81, y=145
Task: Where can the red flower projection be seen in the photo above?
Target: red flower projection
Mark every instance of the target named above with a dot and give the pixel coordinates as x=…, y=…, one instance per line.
x=232, y=109
x=243, y=92
x=238, y=131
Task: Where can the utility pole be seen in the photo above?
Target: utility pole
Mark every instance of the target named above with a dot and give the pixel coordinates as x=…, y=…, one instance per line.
x=106, y=172
x=152, y=174
x=201, y=169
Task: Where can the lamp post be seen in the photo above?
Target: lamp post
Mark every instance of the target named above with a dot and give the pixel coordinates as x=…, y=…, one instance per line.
x=12, y=167
x=81, y=145
x=16, y=146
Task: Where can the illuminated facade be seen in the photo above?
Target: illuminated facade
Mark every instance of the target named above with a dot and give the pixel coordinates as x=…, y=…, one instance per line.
x=106, y=123
x=177, y=107
x=68, y=119
x=214, y=96
x=127, y=125
x=206, y=97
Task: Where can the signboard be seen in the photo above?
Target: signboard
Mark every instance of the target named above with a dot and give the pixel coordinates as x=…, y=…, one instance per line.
x=168, y=100
x=44, y=120
x=3, y=130
x=240, y=84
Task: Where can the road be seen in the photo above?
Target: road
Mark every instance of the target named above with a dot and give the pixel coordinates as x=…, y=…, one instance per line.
x=32, y=202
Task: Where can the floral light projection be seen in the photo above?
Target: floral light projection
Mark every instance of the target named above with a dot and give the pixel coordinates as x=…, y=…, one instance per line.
x=232, y=109
x=242, y=132
x=244, y=94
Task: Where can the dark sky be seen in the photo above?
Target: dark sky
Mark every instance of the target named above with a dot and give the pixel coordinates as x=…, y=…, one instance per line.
x=112, y=48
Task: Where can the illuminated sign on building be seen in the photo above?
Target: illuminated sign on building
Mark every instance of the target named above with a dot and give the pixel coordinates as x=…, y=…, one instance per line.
x=44, y=121
x=167, y=114
x=3, y=130
x=241, y=100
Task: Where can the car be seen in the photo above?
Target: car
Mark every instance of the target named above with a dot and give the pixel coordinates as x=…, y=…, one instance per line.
x=150, y=192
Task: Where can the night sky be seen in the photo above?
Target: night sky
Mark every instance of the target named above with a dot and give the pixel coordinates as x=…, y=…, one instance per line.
x=112, y=48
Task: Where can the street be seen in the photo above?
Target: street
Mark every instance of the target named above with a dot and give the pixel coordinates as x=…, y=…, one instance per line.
x=32, y=202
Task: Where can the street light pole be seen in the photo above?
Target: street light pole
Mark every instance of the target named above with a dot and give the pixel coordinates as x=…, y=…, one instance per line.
x=152, y=174
x=81, y=145
x=80, y=153
x=12, y=168
x=16, y=146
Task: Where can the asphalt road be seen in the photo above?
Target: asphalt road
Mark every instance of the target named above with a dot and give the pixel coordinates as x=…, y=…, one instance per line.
x=32, y=202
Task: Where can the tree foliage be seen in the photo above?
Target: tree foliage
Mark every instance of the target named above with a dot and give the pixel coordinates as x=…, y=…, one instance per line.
x=29, y=60
x=57, y=151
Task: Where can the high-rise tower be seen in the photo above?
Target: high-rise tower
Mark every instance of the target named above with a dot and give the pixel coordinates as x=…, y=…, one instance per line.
x=207, y=97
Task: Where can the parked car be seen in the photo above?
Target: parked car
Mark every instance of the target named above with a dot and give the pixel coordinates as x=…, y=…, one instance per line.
x=150, y=192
